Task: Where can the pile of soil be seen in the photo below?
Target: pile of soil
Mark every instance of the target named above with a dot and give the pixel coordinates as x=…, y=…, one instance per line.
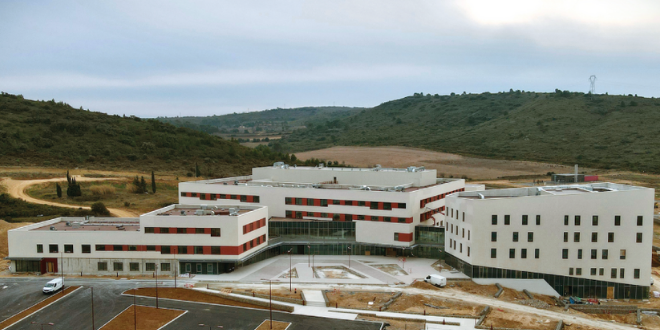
x=148, y=318
x=578, y=327
x=474, y=288
x=190, y=295
x=510, y=319
x=423, y=285
x=416, y=304
x=359, y=300
x=650, y=322
x=630, y=318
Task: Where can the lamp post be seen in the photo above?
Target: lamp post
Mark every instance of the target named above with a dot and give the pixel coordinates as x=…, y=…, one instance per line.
x=42, y=324
x=134, y=308
x=62, y=268
x=270, y=298
x=349, y=257
x=205, y=325
x=92, y=288
x=156, y=286
x=175, y=267
x=313, y=274
x=290, y=256
x=309, y=253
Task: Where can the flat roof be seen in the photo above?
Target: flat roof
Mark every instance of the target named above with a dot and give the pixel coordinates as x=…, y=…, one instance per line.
x=102, y=224
x=203, y=210
x=558, y=190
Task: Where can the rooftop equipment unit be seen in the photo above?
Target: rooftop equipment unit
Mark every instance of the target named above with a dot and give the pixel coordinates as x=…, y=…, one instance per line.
x=68, y=224
x=183, y=212
x=233, y=211
x=52, y=228
x=278, y=164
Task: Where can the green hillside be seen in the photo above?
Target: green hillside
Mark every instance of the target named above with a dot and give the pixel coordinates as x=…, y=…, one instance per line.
x=562, y=127
x=55, y=134
x=274, y=121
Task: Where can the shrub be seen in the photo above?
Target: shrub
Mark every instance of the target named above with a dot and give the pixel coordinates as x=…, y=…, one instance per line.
x=99, y=208
x=104, y=190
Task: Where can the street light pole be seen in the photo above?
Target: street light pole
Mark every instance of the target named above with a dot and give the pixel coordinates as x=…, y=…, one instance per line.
x=134, y=309
x=92, y=308
x=175, y=267
x=156, y=286
x=62, y=268
x=270, y=298
x=290, y=256
x=309, y=253
x=349, y=257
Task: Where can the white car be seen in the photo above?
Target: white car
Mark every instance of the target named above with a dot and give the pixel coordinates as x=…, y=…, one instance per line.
x=53, y=286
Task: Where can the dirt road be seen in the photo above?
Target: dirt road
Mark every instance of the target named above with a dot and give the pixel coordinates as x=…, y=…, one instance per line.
x=17, y=188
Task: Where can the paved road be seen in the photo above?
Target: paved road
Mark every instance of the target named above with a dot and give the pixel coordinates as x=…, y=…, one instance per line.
x=74, y=312
x=16, y=188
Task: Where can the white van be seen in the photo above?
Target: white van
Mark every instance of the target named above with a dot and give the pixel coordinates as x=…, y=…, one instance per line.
x=53, y=286
x=436, y=280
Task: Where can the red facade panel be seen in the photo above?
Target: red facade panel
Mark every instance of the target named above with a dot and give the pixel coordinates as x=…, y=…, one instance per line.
x=207, y=249
x=190, y=230
x=405, y=237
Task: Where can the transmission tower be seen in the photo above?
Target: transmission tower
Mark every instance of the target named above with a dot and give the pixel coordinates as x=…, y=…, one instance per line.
x=592, y=80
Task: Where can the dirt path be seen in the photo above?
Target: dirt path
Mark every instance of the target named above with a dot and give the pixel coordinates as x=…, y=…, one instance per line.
x=17, y=188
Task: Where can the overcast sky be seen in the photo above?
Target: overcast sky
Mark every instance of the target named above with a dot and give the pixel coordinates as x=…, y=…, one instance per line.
x=160, y=58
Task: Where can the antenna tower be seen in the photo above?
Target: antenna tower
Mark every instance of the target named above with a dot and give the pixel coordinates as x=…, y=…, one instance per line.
x=592, y=90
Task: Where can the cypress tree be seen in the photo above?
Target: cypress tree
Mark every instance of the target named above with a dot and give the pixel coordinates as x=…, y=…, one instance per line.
x=143, y=185
x=59, y=190
x=153, y=182
x=68, y=177
x=198, y=173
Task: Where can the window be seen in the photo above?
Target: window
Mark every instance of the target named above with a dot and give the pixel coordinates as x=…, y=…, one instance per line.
x=373, y=205
x=53, y=248
x=118, y=266
x=512, y=253
x=565, y=236
x=215, y=232
x=298, y=201
x=537, y=253
x=402, y=220
x=134, y=267
x=164, y=266
x=538, y=220
x=165, y=250
x=117, y=248
x=493, y=236
x=564, y=253
x=493, y=253
x=578, y=271
x=610, y=237
x=605, y=254
x=621, y=273
x=622, y=254
x=468, y=251
x=570, y=271
x=255, y=199
x=181, y=230
x=565, y=220
x=468, y=234
x=494, y=219
x=396, y=238
x=460, y=248
x=577, y=220
x=524, y=220
x=594, y=237
x=593, y=271
x=617, y=220
x=387, y=206
x=215, y=250
x=199, y=230
x=100, y=247
x=576, y=236
x=402, y=205
x=164, y=230
x=149, y=230
x=639, y=237
x=515, y=236
x=132, y=248
x=40, y=248
x=182, y=249
x=287, y=200
x=594, y=254
x=362, y=203
x=640, y=221
x=523, y=253
x=102, y=266
x=151, y=248
x=601, y=271
x=636, y=273
x=530, y=237
x=507, y=220
x=86, y=248
x=150, y=267
x=594, y=220
x=613, y=273
x=463, y=233
x=188, y=268
x=464, y=216
x=579, y=253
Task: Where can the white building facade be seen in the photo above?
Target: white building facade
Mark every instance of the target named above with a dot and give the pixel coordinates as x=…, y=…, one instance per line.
x=200, y=241
x=591, y=240
x=385, y=204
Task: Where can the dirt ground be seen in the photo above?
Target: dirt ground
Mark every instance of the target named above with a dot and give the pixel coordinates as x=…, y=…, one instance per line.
x=393, y=324
x=190, y=295
x=392, y=269
x=474, y=288
x=277, y=325
x=4, y=248
x=416, y=304
x=446, y=164
x=358, y=299
x=509, y=319
x=148, y=318
x=296, y=294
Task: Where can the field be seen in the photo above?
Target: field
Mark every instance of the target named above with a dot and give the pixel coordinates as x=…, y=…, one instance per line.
x=446, y=164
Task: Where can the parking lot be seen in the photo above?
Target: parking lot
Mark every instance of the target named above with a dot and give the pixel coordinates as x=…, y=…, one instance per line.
x=75, y=311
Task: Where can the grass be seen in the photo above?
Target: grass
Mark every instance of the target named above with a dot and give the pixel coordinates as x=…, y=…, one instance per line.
x=166, y=194
x=560, y=128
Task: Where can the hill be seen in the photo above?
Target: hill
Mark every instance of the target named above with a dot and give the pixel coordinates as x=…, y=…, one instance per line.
x=53, y=134
x=562, y=127
x=266, y=122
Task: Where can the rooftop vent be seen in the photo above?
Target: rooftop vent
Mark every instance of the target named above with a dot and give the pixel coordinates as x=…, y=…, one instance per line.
x=278, y=164
x=52, y=228
x=68, y=224
x=233, y=211
x=183, y=212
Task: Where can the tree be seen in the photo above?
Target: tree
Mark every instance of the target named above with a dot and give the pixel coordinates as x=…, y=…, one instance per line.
x=59, y=190
x=139, y=187
x=99, y=208
x=143, y=185
x=198, y=173
x=293, y=158
x=68, y=178
x=153, y=182
x=74, y=188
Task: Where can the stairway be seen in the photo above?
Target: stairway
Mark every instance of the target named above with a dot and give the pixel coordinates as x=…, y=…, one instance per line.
x=313, y=298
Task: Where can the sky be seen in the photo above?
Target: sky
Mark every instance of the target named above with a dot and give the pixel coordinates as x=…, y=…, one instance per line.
x=200, y=58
